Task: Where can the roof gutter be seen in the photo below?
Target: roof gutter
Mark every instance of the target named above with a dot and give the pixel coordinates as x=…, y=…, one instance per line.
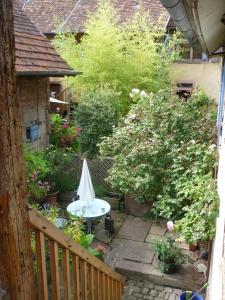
x=179, y=15
x=47, y=73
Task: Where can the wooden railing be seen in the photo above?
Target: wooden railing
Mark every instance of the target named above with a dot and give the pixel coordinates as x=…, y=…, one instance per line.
x=65, y=270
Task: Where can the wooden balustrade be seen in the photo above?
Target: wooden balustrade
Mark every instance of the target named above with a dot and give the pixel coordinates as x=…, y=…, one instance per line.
x=65, y=270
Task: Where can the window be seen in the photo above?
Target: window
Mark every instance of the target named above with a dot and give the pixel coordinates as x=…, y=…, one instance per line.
x=184, y=89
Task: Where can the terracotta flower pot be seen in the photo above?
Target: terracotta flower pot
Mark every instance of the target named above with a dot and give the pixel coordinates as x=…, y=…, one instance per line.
x=193, y=247
x=134, y=208
x=51, y=199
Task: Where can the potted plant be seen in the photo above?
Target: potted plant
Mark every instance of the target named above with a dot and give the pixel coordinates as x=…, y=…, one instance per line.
x=169, y=256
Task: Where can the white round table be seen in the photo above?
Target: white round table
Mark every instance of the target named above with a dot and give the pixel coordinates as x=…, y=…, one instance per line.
x=94, y=209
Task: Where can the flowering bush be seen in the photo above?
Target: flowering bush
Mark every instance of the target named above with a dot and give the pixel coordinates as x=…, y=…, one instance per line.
x=164, y=153
x=63, y=134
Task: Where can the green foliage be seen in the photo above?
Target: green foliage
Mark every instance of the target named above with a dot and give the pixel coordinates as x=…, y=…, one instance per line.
x=116, y=55
x=36, y=169
x=167, y=251
x=63, y=134
x=100, y=190
x=74, y=228
x=198, y=223
x=161, y=139
x=164, y=153
x=86, y=240
x=60, y=159
x=95, y=118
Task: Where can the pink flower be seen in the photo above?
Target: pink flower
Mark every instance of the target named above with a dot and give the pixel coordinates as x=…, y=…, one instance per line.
x=169, y=225
x=65, y=126
x=78, y=130
x=62, y=141
x=101, y=248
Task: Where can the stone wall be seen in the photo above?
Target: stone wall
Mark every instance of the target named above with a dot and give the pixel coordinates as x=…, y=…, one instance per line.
x=33, y=94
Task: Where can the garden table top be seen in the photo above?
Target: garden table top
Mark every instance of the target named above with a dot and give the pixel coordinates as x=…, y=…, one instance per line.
x=96, y=208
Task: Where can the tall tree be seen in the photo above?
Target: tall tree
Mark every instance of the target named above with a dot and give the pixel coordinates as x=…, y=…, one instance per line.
x=16, y=270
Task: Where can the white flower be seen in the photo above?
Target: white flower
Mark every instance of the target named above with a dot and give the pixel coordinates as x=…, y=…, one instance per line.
x=132, y=117
x=143, y=94
x=135, y=91
x=212, y=147
x=131, y=95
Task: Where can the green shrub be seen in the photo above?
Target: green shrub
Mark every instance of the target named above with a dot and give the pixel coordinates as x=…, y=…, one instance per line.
x=198, y=223
x=162, y=150
x=95, y=118
x=61, y=161
x=36, y=169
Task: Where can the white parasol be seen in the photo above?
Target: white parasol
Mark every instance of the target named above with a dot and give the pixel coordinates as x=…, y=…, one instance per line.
x=53, y=100
x=85, y=190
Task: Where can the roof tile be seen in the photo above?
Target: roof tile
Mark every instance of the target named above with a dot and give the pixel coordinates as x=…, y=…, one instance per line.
x=34, y=52
x=45, y=13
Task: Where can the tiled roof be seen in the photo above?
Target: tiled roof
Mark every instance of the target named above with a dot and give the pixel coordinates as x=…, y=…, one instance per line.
x=34, y=53
x=46, y=13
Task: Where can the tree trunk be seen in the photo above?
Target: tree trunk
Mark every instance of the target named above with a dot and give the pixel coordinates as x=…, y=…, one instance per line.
x=16, y=269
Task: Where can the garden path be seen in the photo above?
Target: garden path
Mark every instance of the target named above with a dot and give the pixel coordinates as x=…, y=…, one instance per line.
x=130, y=252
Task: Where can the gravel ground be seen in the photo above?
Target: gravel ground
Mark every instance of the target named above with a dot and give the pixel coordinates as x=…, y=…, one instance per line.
x=146, y=290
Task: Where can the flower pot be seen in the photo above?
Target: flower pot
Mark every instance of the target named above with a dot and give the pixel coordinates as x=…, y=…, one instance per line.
x=134, y=208
x=193, y=247
x=196, y=297
x=204, y=249
x=167, y=267
x=51, y=199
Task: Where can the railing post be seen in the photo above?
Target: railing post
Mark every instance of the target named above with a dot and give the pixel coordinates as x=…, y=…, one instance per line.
x=54, y=265
x=41, y=266
x=66, y=273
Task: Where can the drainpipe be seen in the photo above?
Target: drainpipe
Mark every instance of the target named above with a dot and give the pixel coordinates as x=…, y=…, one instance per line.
x=220, y=110
x=178, y=14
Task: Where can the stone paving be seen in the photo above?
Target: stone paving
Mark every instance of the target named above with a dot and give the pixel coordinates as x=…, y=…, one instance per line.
x=146, y=290
x=130, y=252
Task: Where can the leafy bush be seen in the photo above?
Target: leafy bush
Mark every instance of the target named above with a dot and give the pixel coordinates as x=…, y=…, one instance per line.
x=95, y=118
x=36, y=168
x=198, y=223
x=59, y=160
x=116, y=55
x=163, y=150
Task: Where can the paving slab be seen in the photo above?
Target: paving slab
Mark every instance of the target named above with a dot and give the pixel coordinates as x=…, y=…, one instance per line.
x=151, y=238
x=186, y=278
x=135, y=230
x=157, y=229
x=132, y=250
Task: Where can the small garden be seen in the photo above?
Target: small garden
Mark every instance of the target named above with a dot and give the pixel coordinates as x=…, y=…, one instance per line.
x=162, y=146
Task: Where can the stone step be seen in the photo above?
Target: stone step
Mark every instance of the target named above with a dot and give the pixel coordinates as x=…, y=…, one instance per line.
x=186, y=278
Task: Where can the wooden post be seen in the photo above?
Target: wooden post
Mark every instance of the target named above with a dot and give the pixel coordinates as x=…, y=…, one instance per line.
x=16, y=268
